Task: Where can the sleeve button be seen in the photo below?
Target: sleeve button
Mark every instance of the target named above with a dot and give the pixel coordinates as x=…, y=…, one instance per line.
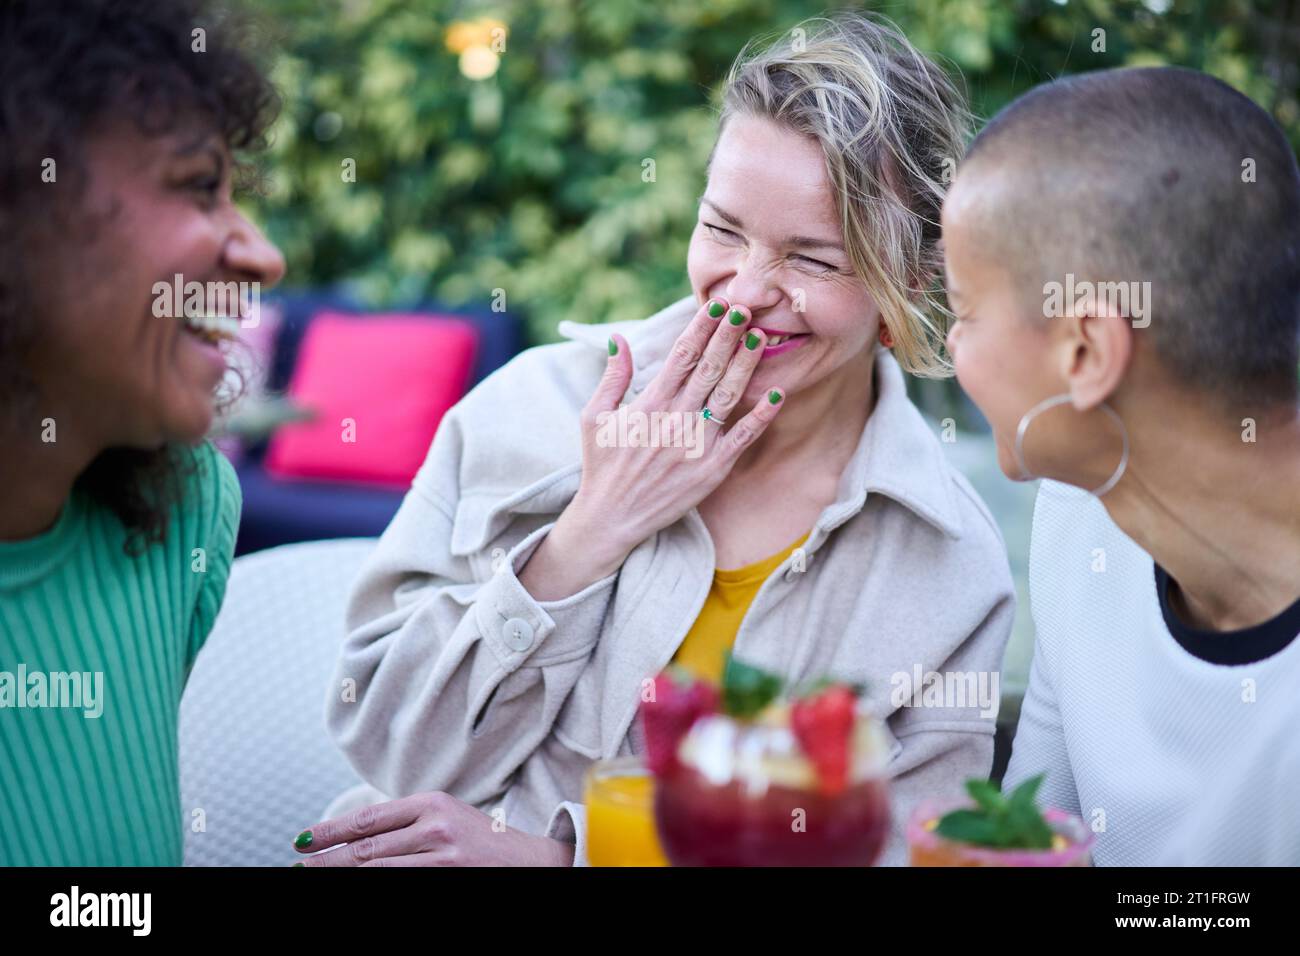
x=518, y=634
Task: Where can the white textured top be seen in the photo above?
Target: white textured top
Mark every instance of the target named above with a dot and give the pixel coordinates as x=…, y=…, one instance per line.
x=1172, y=759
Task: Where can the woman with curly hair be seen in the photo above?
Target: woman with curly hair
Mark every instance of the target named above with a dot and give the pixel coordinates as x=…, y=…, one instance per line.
x=118, y=124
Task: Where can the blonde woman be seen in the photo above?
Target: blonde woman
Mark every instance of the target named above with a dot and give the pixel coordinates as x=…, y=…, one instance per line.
x=538, y=572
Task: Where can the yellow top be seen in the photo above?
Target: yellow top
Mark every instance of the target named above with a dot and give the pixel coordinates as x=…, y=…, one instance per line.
x=704, y=648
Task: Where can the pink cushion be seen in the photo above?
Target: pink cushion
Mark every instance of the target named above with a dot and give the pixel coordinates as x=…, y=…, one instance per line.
x=380, y=385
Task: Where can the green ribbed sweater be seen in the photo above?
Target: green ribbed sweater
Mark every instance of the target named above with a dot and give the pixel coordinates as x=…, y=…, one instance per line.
x=84, y=789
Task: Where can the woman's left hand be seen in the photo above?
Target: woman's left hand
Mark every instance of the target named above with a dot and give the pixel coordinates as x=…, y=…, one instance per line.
x=426, y=829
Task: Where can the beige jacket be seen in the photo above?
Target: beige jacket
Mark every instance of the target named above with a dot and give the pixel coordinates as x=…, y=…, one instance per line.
x=466, y=684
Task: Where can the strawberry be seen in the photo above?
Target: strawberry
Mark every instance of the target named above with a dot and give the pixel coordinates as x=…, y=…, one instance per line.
x=823, y=723
x=678, y=700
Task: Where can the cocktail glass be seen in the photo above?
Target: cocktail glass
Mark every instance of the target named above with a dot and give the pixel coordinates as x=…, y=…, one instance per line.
x=1072, y=841
x=744, y=794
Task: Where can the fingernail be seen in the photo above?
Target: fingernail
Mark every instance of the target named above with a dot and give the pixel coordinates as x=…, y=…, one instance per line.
x=774, y=396
x=300, y=863
x=751, y=341
x=302, y=840
x=716, y=308
x=613, y=346
x=736, y=316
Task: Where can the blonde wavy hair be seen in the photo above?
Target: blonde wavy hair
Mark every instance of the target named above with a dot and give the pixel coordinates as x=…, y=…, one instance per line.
x=891, y=125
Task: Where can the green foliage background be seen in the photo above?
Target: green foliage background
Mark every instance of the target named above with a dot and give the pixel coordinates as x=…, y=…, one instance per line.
x=531, y=181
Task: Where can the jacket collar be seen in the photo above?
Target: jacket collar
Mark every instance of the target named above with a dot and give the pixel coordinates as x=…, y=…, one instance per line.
x=897, y=456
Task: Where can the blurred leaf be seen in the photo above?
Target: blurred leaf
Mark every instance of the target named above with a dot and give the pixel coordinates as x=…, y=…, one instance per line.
x=746, y=690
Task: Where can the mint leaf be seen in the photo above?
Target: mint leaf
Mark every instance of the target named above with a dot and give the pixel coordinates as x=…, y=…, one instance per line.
x=968, y=826
x=1027, y=791
x=1002, y=823
x=1026, y=827
x=746, y=690
x=986, y=796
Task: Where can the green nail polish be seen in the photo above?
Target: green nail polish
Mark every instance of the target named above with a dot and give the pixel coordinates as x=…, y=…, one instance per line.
x=302, y=840
x=736, y=316
x=613, y=346
x=751, y=341
x=300, y=863
x=716, y=308
x=774, y=396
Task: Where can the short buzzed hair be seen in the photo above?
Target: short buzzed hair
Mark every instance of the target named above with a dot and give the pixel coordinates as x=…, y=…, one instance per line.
x=1169, y=176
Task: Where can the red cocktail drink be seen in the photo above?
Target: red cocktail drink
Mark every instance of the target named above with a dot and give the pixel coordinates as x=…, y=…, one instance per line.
x=743, y=794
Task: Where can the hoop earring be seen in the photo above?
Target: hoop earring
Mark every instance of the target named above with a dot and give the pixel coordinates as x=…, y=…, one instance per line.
x=1062, y=399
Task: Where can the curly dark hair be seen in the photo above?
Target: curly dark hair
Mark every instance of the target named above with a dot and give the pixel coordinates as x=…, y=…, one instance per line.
x=66, y=66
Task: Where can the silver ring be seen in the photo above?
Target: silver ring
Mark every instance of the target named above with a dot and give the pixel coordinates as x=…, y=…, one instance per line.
x=708, y=416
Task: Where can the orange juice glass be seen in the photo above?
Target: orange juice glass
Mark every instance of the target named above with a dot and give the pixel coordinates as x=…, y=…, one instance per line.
x=619, y=795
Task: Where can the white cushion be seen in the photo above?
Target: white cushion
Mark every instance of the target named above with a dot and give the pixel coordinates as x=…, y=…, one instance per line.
x=254, y=754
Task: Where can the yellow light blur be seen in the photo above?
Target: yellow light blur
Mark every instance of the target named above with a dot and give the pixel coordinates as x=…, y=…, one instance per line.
x=463, y=34
x=478, y=63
